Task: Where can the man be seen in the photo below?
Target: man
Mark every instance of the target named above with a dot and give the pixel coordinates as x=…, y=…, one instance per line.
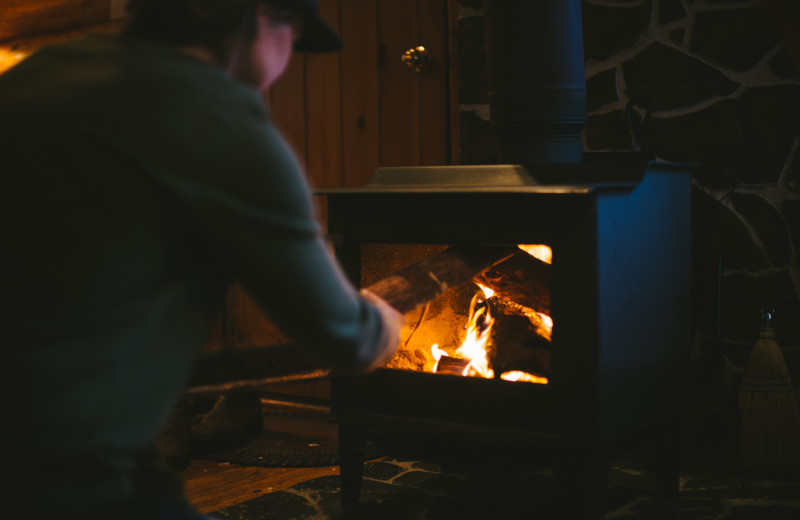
x=141, y=175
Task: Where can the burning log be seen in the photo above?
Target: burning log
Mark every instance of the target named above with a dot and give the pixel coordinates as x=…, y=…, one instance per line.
x=424, y=281
x=522, y=279
x=451, y=365
x=515, y=345
x=414, y=359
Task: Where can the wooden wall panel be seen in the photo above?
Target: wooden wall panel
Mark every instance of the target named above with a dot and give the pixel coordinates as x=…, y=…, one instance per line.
x=399, y=86
x=216, y=340
x=433, y=110
x=246, y=325
x=360, y=102
x=287, y=100
x=23, y=18
x=14, y=51
x=454, y=128
x=324, y=109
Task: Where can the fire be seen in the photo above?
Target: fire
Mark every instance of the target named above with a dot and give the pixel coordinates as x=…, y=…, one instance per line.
x=437, y=353
x=473, y=348
x=479, y=328
x=472, y=354
x=517, y=375
x=487, y=292
x=542, y=322
x=540, y=251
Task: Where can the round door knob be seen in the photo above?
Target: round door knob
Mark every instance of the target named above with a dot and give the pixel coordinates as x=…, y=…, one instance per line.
x=417, y=58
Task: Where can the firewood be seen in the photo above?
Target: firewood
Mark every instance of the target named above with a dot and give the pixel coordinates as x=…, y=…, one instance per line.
x=451, y=365
x=522, y=279
x=425, y=280
x=406, y=290
x=515, y=345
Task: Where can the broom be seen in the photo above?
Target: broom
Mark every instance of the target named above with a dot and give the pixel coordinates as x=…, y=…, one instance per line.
x=770, y=440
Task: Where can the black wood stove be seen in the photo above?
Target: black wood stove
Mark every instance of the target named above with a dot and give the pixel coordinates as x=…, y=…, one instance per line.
x=619, y=229
x=619, y=284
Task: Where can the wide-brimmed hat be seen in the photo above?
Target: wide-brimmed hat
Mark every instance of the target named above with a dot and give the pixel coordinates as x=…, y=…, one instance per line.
x=317, y=35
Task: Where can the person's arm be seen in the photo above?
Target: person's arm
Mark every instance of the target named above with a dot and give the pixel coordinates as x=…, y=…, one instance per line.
x=259, y=217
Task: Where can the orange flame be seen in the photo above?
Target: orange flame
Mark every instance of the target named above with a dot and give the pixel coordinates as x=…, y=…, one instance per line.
x=517, y=375
x=473, y=348
x=542, y=322
x=540, y=251
x=479, y=328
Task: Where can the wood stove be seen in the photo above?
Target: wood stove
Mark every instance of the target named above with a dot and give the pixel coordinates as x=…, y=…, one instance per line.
x=619, y=229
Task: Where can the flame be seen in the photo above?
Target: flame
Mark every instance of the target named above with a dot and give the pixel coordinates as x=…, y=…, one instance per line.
x=437, y=355
x=437, y=352
x=487, y=292
x=479, y=328
x=478, y=332
x=540, y=251
x=543, y=324
x=517, y=375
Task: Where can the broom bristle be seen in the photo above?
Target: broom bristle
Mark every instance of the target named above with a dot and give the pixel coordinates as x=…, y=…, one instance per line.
x=770, y=439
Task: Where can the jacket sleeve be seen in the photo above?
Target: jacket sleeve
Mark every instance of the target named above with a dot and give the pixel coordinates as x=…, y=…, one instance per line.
x=259, y=216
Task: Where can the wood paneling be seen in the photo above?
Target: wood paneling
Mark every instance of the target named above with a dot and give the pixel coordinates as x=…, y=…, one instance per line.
x=287, y=99
x=452, y=67
x=324, y=110
x=398, y=85
x=14, y=51
x=216, y=338
x=247, y=325
x=360, y=101
x=24, y=18
x=433, y=110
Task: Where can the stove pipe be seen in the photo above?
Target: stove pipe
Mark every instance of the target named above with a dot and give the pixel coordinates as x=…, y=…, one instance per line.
x=537, y=86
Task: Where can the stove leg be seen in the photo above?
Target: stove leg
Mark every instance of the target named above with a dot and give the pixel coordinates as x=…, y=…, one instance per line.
x=583, y=477
x=352, y=445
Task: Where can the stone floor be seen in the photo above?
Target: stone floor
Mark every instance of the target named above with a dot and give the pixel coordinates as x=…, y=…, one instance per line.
x=395, y=489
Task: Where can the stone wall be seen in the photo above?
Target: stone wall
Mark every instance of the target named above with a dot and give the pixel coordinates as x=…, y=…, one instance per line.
x=713, y=85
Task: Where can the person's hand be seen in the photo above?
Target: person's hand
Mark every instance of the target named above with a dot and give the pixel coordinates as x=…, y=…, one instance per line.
x=393, y=322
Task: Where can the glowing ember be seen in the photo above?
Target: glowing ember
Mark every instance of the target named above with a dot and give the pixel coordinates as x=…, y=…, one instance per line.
x=486, y=291
x=542, y=322
x=437, y=355
x=517, y=375
x=540, y=251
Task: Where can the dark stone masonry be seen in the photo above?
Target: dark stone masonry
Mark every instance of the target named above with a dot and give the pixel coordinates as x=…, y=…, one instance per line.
x=613, y=29
x=667, y=78
x=736, y=38
x=601, y=89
